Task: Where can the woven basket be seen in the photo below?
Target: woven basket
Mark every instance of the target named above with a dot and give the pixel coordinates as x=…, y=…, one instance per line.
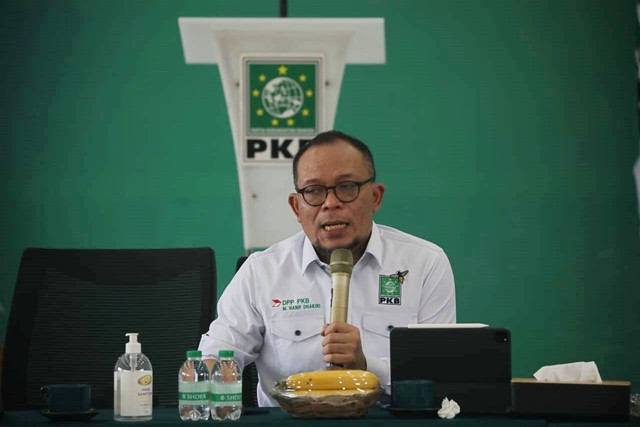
x=326, y=404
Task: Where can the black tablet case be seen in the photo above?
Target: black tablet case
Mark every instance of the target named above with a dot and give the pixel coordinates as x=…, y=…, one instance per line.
x=469, y=365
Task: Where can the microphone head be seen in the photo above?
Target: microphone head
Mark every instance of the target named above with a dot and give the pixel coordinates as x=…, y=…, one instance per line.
x=341, y=261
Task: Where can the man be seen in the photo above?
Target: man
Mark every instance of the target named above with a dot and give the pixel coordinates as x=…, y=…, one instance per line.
x=276, y=309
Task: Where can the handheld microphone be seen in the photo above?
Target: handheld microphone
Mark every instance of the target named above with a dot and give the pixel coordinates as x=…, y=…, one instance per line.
x=341, y=267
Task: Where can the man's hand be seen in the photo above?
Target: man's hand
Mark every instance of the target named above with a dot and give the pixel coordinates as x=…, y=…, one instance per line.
x=209, y=363
x=341, y=346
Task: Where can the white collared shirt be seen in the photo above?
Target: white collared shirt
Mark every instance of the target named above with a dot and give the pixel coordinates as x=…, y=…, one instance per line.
x=273, y=310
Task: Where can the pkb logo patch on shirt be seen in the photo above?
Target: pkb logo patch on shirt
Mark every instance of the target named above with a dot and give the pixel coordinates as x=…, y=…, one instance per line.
x=390, y=292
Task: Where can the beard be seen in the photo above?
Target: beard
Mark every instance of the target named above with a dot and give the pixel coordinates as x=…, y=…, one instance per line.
x=356, y=246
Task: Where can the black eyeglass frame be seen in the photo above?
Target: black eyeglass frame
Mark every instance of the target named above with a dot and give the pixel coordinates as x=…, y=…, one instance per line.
x=359, y=184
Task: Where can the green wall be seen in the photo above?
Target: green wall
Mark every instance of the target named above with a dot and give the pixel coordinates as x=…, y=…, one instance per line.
x=505, y=131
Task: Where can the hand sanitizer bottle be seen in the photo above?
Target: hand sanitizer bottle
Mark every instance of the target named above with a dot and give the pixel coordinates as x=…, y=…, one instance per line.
x=132, y=384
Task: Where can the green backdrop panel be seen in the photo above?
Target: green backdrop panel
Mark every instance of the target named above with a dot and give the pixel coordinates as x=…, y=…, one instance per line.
x=505, y=132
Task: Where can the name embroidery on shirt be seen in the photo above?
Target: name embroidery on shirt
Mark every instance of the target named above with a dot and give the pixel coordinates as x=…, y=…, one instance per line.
x=390, y=290
x=294, y=304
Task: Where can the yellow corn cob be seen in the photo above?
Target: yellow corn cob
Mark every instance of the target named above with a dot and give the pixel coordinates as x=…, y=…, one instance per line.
x=333, y=380
x=324, y=393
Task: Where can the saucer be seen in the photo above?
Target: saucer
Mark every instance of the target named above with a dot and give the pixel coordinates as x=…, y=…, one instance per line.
x=69, y=416
x=411, y=412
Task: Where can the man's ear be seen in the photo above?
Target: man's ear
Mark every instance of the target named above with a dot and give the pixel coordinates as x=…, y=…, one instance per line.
x=293, y=202
x=378, y=194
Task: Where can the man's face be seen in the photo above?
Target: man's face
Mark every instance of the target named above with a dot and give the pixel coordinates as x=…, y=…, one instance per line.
x=336, y=224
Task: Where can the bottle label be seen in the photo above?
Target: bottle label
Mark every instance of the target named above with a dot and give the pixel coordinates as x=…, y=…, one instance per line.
x=194, y=393
x=226, y=394
x=136, y=393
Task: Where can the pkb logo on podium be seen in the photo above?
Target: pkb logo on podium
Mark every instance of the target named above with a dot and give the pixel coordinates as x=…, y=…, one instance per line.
x=280, y=106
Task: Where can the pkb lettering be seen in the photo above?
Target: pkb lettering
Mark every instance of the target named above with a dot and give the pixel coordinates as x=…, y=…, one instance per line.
x=389, y=300
x=273, y=148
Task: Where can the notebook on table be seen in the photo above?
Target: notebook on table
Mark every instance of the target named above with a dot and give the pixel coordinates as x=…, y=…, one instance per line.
x=469, y=363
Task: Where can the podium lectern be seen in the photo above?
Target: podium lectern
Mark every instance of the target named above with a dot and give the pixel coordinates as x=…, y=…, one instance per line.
x=281, y=80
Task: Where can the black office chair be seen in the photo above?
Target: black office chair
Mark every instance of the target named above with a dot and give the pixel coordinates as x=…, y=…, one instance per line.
x=72, y=307
x=250, y=372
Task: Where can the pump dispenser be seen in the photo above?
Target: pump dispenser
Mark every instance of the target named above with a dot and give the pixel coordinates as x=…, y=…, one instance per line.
x=133, y=346
x=132, y=384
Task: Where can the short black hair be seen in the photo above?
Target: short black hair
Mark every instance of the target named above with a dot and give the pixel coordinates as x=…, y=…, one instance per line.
x=327, y=138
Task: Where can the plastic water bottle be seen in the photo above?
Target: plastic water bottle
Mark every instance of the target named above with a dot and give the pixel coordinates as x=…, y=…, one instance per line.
x=194, y=388
x=132, y=384
x=226, y=387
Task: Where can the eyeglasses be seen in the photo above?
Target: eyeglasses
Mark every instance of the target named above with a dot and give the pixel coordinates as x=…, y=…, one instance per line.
x=346, y=191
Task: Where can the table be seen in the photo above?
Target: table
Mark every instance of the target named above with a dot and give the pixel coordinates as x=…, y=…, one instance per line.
x=277, y=417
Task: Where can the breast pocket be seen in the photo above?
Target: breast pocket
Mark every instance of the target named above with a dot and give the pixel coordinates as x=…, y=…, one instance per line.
x=298, y=343
x=376, y=328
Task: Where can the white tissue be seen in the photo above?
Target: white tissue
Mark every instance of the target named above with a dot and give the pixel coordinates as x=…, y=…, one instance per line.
x=581, y=372
x=449, y=409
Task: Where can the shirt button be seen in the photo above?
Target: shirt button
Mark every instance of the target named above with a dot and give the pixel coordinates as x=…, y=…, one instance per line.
x=297, y=332
x=390, y=327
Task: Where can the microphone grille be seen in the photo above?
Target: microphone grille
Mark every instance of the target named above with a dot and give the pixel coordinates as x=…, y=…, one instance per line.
x=341, y=261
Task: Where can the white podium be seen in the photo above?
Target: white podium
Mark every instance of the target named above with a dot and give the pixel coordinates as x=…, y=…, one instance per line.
x=257, y=59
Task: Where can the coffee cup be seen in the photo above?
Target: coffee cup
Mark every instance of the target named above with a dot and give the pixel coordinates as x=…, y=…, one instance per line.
x=412, y=394
x=67, y=398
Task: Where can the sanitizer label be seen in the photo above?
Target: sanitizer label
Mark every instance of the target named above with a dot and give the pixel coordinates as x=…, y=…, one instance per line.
x=136, y=398
x=194, y=393
x=226, y=394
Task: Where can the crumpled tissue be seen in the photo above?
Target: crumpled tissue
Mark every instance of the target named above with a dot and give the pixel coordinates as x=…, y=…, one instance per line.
x=449, y=409
x=581, y=372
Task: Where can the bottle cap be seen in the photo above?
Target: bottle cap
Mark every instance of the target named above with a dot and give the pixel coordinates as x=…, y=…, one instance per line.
x=133, y=346
x=194, y=353
x=225, y=353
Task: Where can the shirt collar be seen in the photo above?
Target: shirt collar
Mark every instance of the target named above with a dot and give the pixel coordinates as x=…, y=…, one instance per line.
x=309, y=256
x=374, y=249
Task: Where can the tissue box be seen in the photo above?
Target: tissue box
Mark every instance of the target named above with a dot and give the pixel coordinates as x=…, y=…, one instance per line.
x=608, y=400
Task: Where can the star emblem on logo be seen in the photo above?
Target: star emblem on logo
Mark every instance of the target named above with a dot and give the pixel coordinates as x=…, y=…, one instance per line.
x=282, y=96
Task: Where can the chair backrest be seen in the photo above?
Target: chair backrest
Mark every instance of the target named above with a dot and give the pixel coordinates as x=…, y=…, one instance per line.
x=250, y=372
x=72, y=308
x=250, y=386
